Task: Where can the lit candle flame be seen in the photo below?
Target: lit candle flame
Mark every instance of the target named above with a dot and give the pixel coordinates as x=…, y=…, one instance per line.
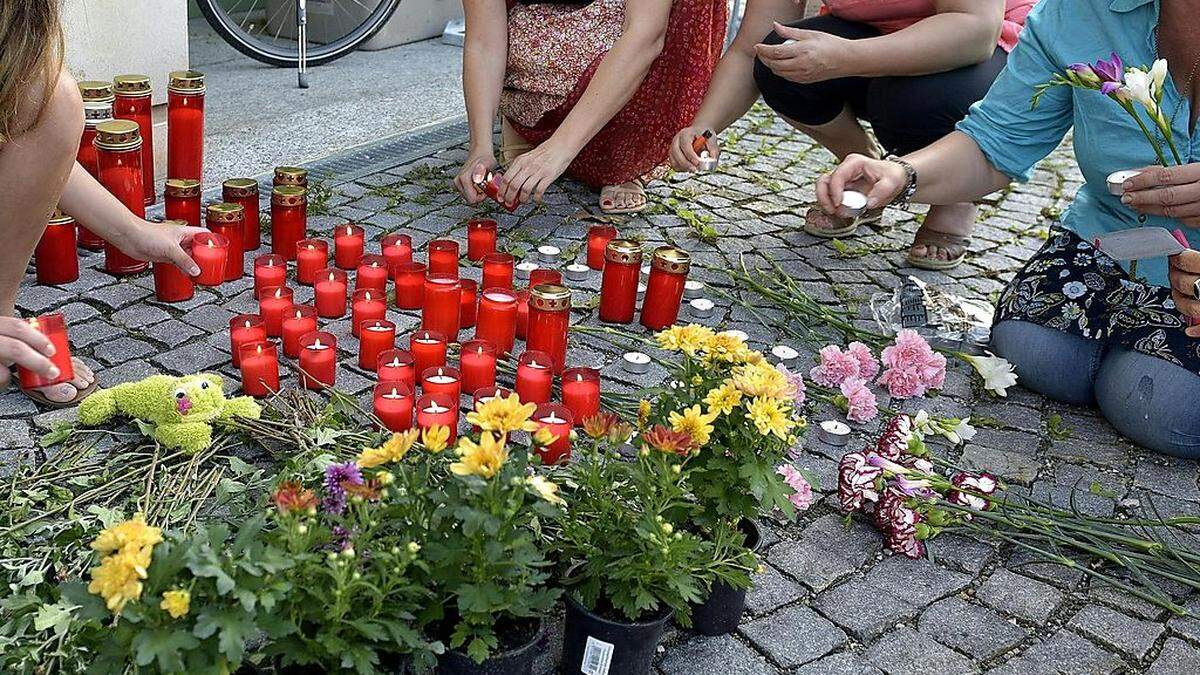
x=210, y=243
x=331, y=277
x=395, y=362
x=349, y=230
x=259, y=348
x=317, y=344
x=367, y=295
x=299, y=314
x=279, y=292
x=270, y=262
x=247, y=324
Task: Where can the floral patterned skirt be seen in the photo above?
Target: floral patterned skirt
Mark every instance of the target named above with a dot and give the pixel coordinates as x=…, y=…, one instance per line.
x=1071, y=286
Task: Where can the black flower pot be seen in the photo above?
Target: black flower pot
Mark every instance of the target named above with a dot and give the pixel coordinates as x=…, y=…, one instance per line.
x=627, y=647
x=722, y=609
x=517, y=661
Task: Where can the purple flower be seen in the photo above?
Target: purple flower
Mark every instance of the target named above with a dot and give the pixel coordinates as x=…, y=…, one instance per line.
x=1110, y=88
x=1112, y=70
x=335, y=494
x=856, y=481
x=974, y=490
x=341, y=538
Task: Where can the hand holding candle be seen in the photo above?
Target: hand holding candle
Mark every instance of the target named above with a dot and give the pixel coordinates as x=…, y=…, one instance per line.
x=210, y=251
x=42, y=351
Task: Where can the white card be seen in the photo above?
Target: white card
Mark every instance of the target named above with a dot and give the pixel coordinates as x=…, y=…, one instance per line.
x=597, y=657
x=1137, y=243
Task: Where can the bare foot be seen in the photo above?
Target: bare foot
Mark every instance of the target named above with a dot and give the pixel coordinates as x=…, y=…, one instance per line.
x=624, y=198
x=67, y=391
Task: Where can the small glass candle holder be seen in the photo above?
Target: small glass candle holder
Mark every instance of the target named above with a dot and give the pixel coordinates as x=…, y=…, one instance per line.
x=299, y=321
x=664, y=289
x=558, y=420
x=442, y=304
x=481, y=238
x=477, y=361
x=131, y=101
x=410, y=285
x=229, y=220
x=443, y=257
x=54, y=327
x=348, y=245
x=210, y=251
x=598, y=237
x=497, y=319
x=372, y=272
x=312, y=256
x=442, y=380
x=581, y=392
x=485, y=394
x=374, y=338
x=244, y=191
x=118, y=146
x=497, y=271
x=366, y=305
x=318, y=360
x=438, y=410
x=618, y=286
x=56, y=257
x=393, y=404
x=269, y=270
x=535, y=377
x=244, y=329
x=549, y=319
x=397, y=250
x=544, y=275
x=172, y=284
x=397, y=364
x=468, y=293
x=289, y=219
x=428, y=348
x=290, y=175
x=330, y=292
x=181, y=200
x=273, y=304
x=260, y=368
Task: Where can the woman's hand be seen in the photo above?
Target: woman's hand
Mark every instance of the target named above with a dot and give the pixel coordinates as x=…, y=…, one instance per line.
x=812, y=57
x=1171, y=191
x=879, y=179
x=161, y=242
x=1183, y=270
x=530, y=174
x=681, y=154
x=473, y=172
x=26, y=347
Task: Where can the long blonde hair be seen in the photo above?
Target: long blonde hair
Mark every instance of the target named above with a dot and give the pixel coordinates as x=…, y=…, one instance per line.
x=31, y=48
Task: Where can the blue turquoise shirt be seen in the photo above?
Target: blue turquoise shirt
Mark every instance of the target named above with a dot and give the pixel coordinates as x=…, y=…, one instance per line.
x=1015, y=138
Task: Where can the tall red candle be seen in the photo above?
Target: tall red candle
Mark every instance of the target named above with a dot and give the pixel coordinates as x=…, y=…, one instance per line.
x=269, y=270
x=549, y=318
x=397, y=250
x=229, y=220
x=366, y=305
x=347, y=245
x=273, y=303
x=597, y=242
x=318, y=360
x=497, y=271
x=181, y=200
x=133, y=103
x=97, y=108
x=522, y=314
x=535, y=378
x=393, y=404
x=497, y=320
x=581, y=392
x=312, y=256
x=618, y=287
x=481, y=238
x=54, y=327
x=374, y=338
x=185, y=125
x=289, y=219
x=467, y=294
x=543, y=275
x=558, y=420
x=664, y=290
x=396, y=364
x=210, y=251
x=119, y=161
x=443, y=301
x=330, y=293
x=372, y=273
x=299, y=321
x=428, y=348
x=245, y=329
x=56, y=258
x=442, y=380
x=478, y=364
x=492, y=186
x=443, y=257
x=260, y=368
x=410, y=285
x=244, y=191
x=438, y=410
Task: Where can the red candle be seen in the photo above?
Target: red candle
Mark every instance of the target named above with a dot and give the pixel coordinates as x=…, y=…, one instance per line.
x=289, y=219
x=443, y=257
x=245, y=329
x=556, y=418
x=467, y=292
x=229, y=220
x=273, y=303
x=522, y=314
x=172, y=284
x=410, y=285
x=330, y=291
x=397, y=249
x=398, y=365
x=478, y=364
x=549, y=318
x=181, y=200
x=493, y=186
x=534, y=377
x=544, y=275
x=497, y=321
x=366, y=305
x=428, y=348
x=244, y=191
x=664, y=290
x=618, y=287
x=488, y=393
x=260, y=368
x=210, y=251
x=299, y=321
x=497, y=271
x=119, y=162
x=318, y=360
x=393, y=402
x=290, y=175
x=581, y=392
x=438, y=410
x=347, y=246
x=443, y=301
x=597, y=242
x=269, y=270
x=97, y=108
x=372, y=273
x=133, y=103
x=185, y=125
x=56, y=259
x=442, y=380
x=312, y=256
x=54, y=327
x=481, y=238
x=374, y=338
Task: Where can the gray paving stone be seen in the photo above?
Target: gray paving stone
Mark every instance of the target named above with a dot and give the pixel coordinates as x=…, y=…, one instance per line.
x=15, y=434
x=961, y=553
x=209, y=318
x=1177, y=479
x=722, y=654
x=1176, y=658
x=826, y=552
x=139, y=316
x=1065, y=653
x=842, y=663
x=969, y=628
x=862, y=609
x=1132, y=637
x=194, y=358
x=120, y=295
x=771, y=590
x=122, y=349
x=905, y=650
x=1019, y=596
x=919, y=581
x=85, y=334
x=131, y=371
x=15, y=404
x=78, y=312
x=794, y=636
x=172, y=333
x=1015, y=466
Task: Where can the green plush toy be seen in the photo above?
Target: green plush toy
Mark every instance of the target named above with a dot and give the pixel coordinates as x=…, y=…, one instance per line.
x=182, y=409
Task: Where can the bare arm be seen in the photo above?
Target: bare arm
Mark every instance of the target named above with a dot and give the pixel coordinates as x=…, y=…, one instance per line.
x=485, y=56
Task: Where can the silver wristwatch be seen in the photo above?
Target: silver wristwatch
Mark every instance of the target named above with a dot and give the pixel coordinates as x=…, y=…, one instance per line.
x=910, y=185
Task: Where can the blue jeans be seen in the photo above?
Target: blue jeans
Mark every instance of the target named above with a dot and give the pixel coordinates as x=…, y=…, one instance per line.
x=1151, y=401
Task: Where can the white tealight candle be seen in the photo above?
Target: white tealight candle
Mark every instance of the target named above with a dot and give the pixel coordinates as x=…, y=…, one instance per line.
x=525, y=268
x=441, y=379
x=393, y=395
x=317, y=346
x=636, y=362
x=535, y=365
x=702, y=308
x=577, y=272
x=784, y=353
x=733, y=332
x=548, y=253
x=552, y=419
x=1116, y=181
x=692, y=288
x=434, y=408
x=833, y=432
x=853, y=203
x=425, y=340
x=378, y=327
x=395, y=362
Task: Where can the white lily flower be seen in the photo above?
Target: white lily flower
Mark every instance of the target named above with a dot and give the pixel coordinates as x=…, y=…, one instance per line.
x=997, y=373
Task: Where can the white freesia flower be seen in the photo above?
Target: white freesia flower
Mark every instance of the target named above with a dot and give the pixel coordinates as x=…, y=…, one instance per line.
x=1158, y=75
x=997, y=373
x=959, y=431
x=1140, y=86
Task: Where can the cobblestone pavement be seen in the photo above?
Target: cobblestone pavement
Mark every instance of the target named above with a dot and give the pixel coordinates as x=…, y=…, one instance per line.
x=829, y=601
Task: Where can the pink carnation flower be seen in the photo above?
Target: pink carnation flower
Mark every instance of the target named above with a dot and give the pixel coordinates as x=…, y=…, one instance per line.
x=903, y=383
x=912, y=367
x=796, y=383
x=862, y=406
x=868, y=367
x=802, y=494
x=835, y=368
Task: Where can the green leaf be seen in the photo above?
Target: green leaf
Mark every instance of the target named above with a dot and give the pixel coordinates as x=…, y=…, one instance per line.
x=147, y=428
x=162, y=646
x=61, y=432
x=57, y=616
x=232, y=626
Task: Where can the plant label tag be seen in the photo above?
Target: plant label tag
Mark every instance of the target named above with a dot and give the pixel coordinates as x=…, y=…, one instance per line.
x=597, y=657
x=1137, y=243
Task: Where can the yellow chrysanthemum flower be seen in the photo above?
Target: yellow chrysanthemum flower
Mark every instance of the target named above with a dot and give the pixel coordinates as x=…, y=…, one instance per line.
x=482, y=459
x=727, y=348
x=392, y=450
x=688, y=339
x=503, y=415
x=133, y=532
x=544, y=488
x=761, y=379
x=694, y=423
x=770, y=416
x=176, y=603
x=119, y=577
x=723, y=399
x=435, y=438
x=643, y=413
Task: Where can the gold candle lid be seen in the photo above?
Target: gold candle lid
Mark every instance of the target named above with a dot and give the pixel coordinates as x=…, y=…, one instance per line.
x=671, y=259
x=186, y=82
x=550, y=298
x=623, y=251
x=240, y=187
x=118, y=135
x=96, y=91
x=291, y=175
x=60, y=218
x=288, y=195
x=132, y=85
x=224, y=212
x=182, y=187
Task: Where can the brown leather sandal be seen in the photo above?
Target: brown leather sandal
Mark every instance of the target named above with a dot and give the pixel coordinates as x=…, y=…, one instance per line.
x=826, y=226
x=939, y=240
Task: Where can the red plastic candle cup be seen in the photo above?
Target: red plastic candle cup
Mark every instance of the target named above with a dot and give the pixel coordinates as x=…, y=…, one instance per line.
x=210, y=250
x=56, y=258
x=443, y=257
x=438, y=410
x=273, y=304
x=493, y=186
x=481, y=238
x=330, y=293
x=312, y=256
x=534, y=377
x=398, y=365
x=374, y=338
x=229, y=220
x=618, y=286
x=260, y=368
x=497, y=320
x=558, y=420
x=581, y=392
x=478, y=364
x=410, y=285
x=366, y=305
x=181, y=200
x=468, y=305
x=172, y=284
x=289, y=219
x=185, y=124
x=318, y=360
x=397, y=249
x=549, y=318
x=597, y=242
x=269, y=270
x=372, y=273
x=442, y=304
x=393, y=403
x=97, y=108
x=522, y=314
x=54, y=327
x=442, y=380
x=545, y=276
x=664, y=289
x=348, y=245
x=428, y=349
x=119, y=164
x=245, y=329
x=485, y=394
x=497, y=271
x=299, y=321
x=132, y=102
x=244, y=191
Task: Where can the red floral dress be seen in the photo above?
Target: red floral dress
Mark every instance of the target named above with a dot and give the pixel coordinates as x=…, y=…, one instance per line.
x=553, y=51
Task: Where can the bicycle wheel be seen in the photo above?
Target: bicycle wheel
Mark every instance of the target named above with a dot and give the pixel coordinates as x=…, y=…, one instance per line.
x=265, y=30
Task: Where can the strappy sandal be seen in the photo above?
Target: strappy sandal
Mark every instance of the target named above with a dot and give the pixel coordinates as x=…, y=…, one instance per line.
x=816, y=223
x=80, y=394
x=608, y=194
x=939, y=240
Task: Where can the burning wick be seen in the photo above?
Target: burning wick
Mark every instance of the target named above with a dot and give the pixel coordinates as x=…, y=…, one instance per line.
x=434, y=408
x=394, y=394
x=317, y=345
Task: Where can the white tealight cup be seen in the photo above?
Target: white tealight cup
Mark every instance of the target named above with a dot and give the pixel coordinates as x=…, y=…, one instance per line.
x=785, y=354
x=707, y=163
x=548, y=254
x=635, y=362
x=577, y=272
x=1116, y=181
x=701, y=308
x=733, y=332
x=692, y=288
x=853, y=204
x=524, y=269
x=833, y=432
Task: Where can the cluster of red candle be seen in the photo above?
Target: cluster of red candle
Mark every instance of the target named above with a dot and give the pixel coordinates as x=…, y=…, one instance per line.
x=664, y=289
